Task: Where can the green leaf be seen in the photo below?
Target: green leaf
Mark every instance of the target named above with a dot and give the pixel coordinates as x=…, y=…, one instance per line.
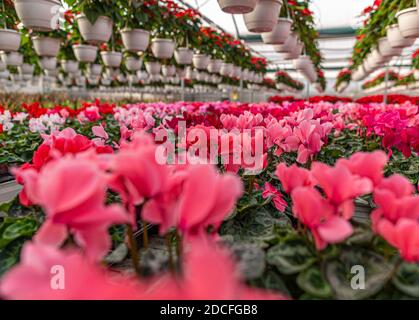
x=250, y=259
x=14, y=228
x=377, y=272
x=314, y=283
x=407, y=279
x=291, y=256
x=271, y=280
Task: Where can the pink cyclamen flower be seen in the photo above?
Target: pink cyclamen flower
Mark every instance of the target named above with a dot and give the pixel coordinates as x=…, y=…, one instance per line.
x=293, y=177
x=72, y=192
x=47, y=273
x=270, y=191
x=197, y=197
x=319, y=216
x=404, y=235
x=340, y=186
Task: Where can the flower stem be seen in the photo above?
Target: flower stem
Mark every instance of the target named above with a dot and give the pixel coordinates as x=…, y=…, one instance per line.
x=179, y=248
x=250, y=186
x=145, y=235
x=169, y=248
x=134, y=250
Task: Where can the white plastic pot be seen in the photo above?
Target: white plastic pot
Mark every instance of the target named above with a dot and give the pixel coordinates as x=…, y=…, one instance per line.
x=226, y=69
x=111, y=59
x=135, y=40
x=48, y=63
x=264, y=17
x=280, y=33
x=289, y=44
x=386, y=49
x=408, y=20
x=46, y=46
x=3, y=65
x=359, y=74
x=191, y=74
x=295, y=53
x=99, y=32
x=133, y=64
x=51, y=72
x=181, y=72
x=303, y=63
x=416, y=74
x=9, y=40
x=153, y=67
x=237, y=6
x=38, y=15
x=183, y=56
x=112, y=72
x=214, y=66
x=162, y=48
x=70, y=66
x=396, y=39
x=85, y=53
x=95, y=69
x=168, y=71
x=201, y=61
x=26, y=68
x=12, y=58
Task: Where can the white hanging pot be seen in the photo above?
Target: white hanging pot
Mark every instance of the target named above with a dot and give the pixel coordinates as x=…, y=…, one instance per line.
x=162, y=48
x=408, y=20
x=3, y=65
x=264, y=17
x=191, y=74
x=142, y=75
x=26, y=68
x=416, y=74
x=4, y=74
x=236, y=72
x=153, y=67
x=99, y=32
x=181, y=72
x=295, y=53
x=70, y=66
x=201, y=61
x=16, y=77
x=38, y=15
x=106, y=81
x=93, y=81
x=81, y=81
x=48, y=63
x=85, y=53
x=133, y=64
x=51, y=72
x=226, y=69
x=280, y=33
x=135, y=40
x=183, y=56
x=132, y=78
x=303, y=63
x=27, y=77
x=111, y=59
x=95, y=69
x=46, y=46
x=289, y=44
x=122, y=78
x=396, y=39
x=386, y=49
x=9, y=40
x=214, y=66
x=112, y=72
x=359, y=74
x=237, y=6
x=168, y=71
x=12, y=58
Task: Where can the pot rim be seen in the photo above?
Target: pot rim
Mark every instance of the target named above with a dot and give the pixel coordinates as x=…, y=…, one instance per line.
x=82, y=15
x=9, y=31
x=408, y=10
x=111, y=53
x=162, y=40
x=46, y=38
x=125, y=30
x=84, y=46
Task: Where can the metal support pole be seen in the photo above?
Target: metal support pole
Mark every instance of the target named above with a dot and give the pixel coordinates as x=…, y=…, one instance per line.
x=386, y=85
x=308, y=90
x=182, y=84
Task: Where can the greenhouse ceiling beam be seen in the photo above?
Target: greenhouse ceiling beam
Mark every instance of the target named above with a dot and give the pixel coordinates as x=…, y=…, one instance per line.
x=337, y=68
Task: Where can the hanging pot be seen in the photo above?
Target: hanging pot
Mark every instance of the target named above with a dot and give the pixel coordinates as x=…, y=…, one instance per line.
x=9, y=40
x=112, y=72
x=214, y=65
x=4, y=74
x=38, y=15
x=295, y=53
x=396, y=39
x=303, y=63
x=416, y=74
x=183, y=56
x=99, y=32
x=111, y=59
x=3, y=65
x=264, y=17
x=12, y=58
x=16, y=77
x=162, y=48
x=201, y=61
x=226, y=69
x=85, y=53
x=386, y=49
x=51, y=72
x=48, y=63
x=132, y=78
x=191, y=74
x=168, y=71
x=105, y=81
x=93, y=81
x=142, y=75
x=237, y=6
x=27, y=77
x=70, y=66
x=280, y=33
x=46, y=46
x=135, y=40
x=95, y=69
x=288, y=45
x=133, y=64
x=181, y=72
x=359, y=74
x=26, y=68
x=153, y=67
x=408, y=20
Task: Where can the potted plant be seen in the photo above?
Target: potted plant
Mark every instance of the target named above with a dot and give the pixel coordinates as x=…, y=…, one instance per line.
x=30, y=59
x=136, y=16
x=408, y=19
x=188, y=27
x=152, y=64
x=95, y=20
x=47, y=44
x=264, y=17
x=281, y=30
x=168, y=70
x=164, y=26
x=38, y=15
x=132, y=62
x=9, y=36
x=48, y=63
x=12, y=58
x=237, y=6
x=111, y=57
x=415, y=64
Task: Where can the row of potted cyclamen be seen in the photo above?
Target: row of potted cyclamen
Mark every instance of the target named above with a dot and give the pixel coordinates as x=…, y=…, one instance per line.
x=261, y=16
x=399, y=36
